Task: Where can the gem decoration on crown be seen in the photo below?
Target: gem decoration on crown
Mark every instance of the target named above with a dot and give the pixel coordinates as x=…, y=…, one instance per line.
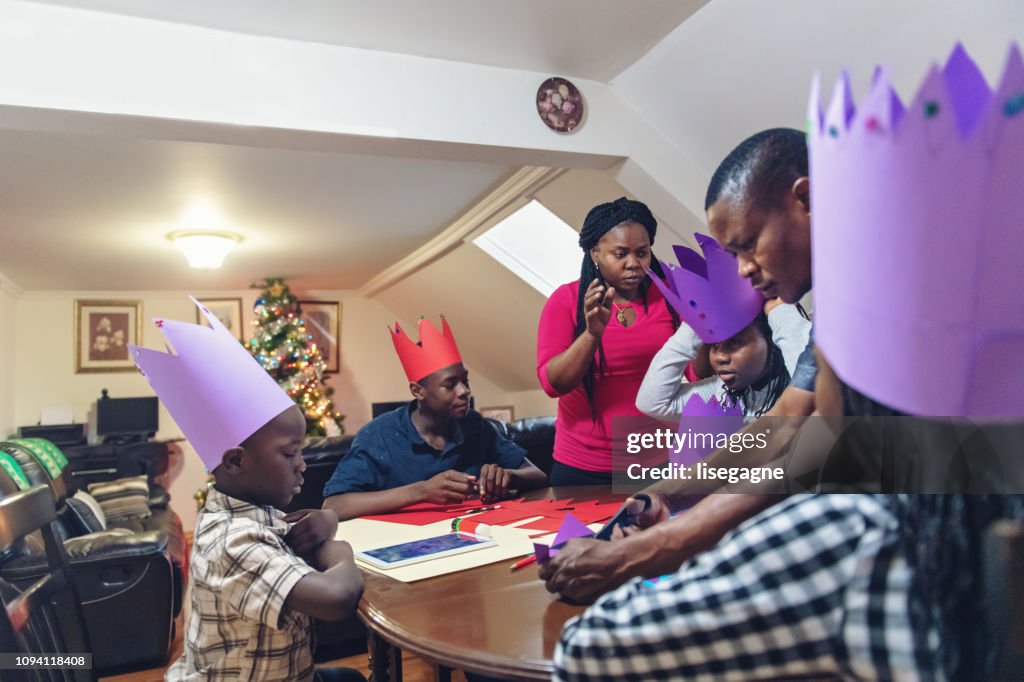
x=917, y=238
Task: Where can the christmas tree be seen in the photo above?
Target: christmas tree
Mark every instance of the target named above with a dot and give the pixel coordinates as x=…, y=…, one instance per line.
x=285, y=349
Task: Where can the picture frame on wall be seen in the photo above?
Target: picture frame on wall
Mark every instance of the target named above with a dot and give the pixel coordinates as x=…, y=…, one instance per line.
x=102, y=332
x=227, y=310
x=323, y=323
x=503, y=413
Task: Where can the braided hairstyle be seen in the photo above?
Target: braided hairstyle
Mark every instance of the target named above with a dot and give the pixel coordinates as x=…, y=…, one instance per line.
x=775, y=376
x=598, y=222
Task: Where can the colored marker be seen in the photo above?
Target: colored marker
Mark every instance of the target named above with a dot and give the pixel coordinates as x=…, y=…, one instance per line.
x=523, y=562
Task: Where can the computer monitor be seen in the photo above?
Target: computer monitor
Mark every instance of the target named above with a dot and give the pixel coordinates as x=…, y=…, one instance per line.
x=131, y=418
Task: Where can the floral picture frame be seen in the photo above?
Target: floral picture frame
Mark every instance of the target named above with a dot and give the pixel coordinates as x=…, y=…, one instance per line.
x=102, y=332
x=323, y=323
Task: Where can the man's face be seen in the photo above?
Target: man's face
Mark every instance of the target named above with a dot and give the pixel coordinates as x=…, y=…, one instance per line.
x=772, y=246
x=446, y=392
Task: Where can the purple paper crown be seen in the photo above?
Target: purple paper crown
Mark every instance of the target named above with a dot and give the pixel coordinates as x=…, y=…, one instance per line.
x=708, y=293
x=918, y=235
x=698, y=407
x=214, y=389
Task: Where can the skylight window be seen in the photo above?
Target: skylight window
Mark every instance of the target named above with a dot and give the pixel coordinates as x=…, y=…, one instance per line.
x=535, y=244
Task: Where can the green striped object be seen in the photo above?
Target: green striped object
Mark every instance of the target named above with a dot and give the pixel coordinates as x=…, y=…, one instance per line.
x=43, y=451
x=8, y=464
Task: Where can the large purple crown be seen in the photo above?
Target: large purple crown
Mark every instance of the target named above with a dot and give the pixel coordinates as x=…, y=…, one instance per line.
x=918, y=239
x=708, y=293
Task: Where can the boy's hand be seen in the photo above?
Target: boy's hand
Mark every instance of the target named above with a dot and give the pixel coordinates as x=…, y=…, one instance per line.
x=448, y=487
x=494, y=482
x=331, y=553
x=312, y=528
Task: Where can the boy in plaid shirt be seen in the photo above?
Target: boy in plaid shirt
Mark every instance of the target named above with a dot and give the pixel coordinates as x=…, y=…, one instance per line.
x=258, y=576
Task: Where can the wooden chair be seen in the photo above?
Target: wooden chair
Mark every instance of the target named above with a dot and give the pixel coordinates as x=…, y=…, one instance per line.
x=46, y=617
x=1004, y=596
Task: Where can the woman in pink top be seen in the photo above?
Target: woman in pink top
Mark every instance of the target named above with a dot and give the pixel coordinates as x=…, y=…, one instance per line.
x=597, y=337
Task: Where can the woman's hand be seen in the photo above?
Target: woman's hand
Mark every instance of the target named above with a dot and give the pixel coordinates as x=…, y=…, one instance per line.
x=595, y=311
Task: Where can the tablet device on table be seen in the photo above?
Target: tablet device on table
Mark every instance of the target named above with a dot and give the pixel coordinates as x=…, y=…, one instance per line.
x=407, y=553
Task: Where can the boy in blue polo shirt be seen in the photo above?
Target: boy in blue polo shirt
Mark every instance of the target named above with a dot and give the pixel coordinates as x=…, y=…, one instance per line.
x=435, y=449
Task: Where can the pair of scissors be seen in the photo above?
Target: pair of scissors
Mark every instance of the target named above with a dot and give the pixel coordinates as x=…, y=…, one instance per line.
x=623, y=518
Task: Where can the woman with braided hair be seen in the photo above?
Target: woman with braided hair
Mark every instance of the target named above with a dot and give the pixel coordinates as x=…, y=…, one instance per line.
x=597, y=337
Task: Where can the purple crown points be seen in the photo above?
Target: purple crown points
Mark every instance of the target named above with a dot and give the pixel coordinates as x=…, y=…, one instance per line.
x=708, y=417
x=214, y=389
x=697, y=407
x=708, y=292
x=571, y=528
x=917, y=239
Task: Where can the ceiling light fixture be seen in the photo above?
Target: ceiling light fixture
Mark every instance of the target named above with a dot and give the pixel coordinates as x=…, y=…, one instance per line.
x=205, y=250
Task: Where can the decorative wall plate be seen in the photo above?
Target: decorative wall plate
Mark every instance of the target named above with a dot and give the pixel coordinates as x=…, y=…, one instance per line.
x=559, y=105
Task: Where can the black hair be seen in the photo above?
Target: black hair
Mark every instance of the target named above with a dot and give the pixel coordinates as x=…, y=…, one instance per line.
x=941, y=535
x=761, y=169
x=776, y=376
x=598, y=222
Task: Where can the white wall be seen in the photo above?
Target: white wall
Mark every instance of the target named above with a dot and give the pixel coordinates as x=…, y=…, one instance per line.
x=39, y=335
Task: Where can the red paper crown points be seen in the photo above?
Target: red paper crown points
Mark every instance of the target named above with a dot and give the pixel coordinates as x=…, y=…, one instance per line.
x=435, y=350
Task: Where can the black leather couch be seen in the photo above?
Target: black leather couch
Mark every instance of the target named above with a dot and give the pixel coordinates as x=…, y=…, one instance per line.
x=131, y=585
x=535, y=434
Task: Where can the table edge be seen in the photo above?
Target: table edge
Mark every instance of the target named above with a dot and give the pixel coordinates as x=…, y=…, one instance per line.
x=532, y=669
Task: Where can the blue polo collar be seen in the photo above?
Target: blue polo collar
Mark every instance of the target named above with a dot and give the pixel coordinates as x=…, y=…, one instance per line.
x=458, y=436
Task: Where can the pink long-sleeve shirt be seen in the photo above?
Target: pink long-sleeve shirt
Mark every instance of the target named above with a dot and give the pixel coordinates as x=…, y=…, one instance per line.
x=582, y=441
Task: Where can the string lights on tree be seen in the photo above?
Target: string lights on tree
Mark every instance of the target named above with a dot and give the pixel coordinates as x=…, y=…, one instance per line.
x=283, y=346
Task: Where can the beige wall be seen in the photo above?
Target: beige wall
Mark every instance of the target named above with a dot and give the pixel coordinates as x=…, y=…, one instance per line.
x=43, y=374
x=8, y=301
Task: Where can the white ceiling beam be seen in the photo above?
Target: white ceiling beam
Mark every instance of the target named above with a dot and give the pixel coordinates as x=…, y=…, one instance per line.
x=76, y=60
x=83, y=71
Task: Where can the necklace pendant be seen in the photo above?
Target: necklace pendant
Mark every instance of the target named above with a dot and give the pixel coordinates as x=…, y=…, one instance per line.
x=620, y=315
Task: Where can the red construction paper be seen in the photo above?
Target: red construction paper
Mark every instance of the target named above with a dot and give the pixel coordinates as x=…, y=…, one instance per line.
x=500, y=517
x=547, y=524
x=594, y=512
x=509, y=511
x=426, y=513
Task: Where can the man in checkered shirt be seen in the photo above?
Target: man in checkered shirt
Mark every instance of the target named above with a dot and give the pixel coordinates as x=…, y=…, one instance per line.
x=856, y=586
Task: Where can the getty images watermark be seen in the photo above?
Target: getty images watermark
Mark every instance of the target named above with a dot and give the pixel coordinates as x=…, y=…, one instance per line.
x=646, y=451
x=872, y=454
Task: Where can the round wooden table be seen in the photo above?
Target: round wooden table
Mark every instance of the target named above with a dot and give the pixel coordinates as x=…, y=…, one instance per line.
x=485, y=620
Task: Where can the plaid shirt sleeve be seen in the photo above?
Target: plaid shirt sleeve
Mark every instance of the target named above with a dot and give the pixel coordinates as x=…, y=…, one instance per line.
x=258, y=576
x=812, y=586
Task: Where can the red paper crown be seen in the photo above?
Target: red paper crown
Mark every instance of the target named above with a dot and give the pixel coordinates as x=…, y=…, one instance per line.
x=436, y=350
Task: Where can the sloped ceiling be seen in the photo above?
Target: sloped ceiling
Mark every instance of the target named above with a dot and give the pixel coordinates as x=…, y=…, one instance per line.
x=99, y=208
x=740, y=66
x=582, y=38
